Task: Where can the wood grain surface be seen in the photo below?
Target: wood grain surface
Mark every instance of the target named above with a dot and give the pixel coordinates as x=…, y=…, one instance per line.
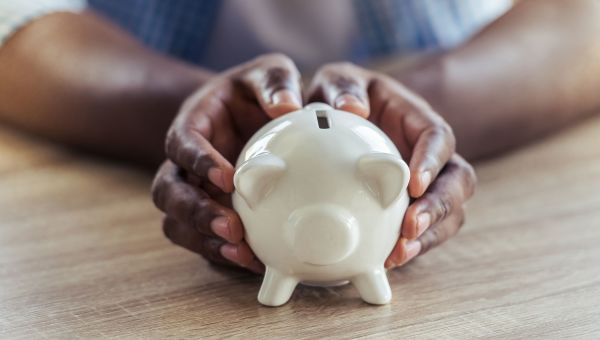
x=82, y=256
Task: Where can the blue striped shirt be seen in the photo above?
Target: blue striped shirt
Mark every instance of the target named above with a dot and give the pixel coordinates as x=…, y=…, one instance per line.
x=183, y=28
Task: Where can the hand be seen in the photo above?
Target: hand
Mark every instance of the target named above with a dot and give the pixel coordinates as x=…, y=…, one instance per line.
x=441, y=181
x=193, y=186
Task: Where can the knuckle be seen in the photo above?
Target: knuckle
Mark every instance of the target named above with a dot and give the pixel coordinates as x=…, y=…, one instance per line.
x=439, y=205
x=470, y=180
x=282, y=62
x=347, y=84
x=180, y=148
x=442, y=232
x=160, y=187
x=171, y=143
x=445, y=127
x=270, y=73
x=432, y=238
x=187, y=154
x=210, y=249
x=453, y=166
x=202, y=161
x=158, y=192
x=468, y=176
x=471, y=175
x=277, y=78
x=194, y=213
x=183, y=202
x=201, y=213
x=342, y=81
x=445, y=206
x=450, y=137
x=439, y=236
x=442, y=129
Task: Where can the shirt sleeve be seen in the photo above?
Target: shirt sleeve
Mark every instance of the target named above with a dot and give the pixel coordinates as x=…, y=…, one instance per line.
x=15, y=14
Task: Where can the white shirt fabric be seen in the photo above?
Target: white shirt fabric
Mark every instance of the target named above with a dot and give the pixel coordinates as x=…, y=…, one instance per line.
x=16, y=13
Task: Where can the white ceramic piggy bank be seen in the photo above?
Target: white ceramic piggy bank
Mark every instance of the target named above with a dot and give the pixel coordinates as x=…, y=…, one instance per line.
x=322, y=194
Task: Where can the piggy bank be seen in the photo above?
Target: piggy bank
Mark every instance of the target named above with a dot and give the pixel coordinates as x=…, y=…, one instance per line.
x=322, y=194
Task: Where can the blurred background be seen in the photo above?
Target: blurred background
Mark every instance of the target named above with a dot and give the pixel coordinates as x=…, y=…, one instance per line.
x=88, y=90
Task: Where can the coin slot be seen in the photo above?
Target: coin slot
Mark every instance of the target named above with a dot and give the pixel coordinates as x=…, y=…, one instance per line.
x=322, y=119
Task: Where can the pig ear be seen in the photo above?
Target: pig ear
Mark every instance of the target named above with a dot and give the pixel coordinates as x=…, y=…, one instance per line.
x=255, y=178
x=385, y=175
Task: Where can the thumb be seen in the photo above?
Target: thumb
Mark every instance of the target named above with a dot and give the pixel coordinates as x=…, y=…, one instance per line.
x=275, y=81
x=343, y=86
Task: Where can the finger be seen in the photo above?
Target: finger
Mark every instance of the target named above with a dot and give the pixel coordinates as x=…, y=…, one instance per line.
x=192, y=206
x=404, y=251
x=275, y=81
x=190, y=239
x=441, y=231
x=210, y=189
x=420, y=133
x=454, y=185
x=242, y=255
x=434, y=143
x=188, y=144
x=343, y=86
x=211, y=248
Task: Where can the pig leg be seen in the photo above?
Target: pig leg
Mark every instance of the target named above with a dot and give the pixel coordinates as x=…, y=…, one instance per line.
x=373, y=287
x=277, y=288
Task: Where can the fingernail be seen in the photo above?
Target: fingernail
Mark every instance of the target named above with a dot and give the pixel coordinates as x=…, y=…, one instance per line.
x=230, y=252
x=220, y=226
x=285, y=97
x=412, y=250
x=425, y=178
x=350, y=102
x=388, y=264
x=423, y=221
x=215, y=175
x=394, y=260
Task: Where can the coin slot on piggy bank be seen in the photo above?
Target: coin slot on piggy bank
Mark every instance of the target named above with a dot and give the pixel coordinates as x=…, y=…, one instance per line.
x=322, y=119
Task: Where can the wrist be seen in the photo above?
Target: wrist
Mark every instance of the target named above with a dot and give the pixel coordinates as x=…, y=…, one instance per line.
x=177, y=79
x=427, y=78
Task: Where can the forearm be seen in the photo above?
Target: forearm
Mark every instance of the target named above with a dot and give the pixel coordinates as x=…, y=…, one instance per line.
x=77, y=79
x=529, y=73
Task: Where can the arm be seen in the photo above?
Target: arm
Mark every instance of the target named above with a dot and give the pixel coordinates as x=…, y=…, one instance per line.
x=527, y=74
x=78, y=79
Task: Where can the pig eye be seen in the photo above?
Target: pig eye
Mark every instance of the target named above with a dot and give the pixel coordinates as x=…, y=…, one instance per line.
x=322, y=119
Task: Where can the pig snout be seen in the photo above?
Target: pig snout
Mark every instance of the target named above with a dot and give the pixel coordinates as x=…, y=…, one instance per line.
x=322, y=235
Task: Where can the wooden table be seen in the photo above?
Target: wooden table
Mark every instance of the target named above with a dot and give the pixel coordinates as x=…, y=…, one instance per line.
x=82, y=256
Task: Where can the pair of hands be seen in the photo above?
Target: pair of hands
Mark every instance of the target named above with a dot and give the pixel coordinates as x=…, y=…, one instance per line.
x=193, y=187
